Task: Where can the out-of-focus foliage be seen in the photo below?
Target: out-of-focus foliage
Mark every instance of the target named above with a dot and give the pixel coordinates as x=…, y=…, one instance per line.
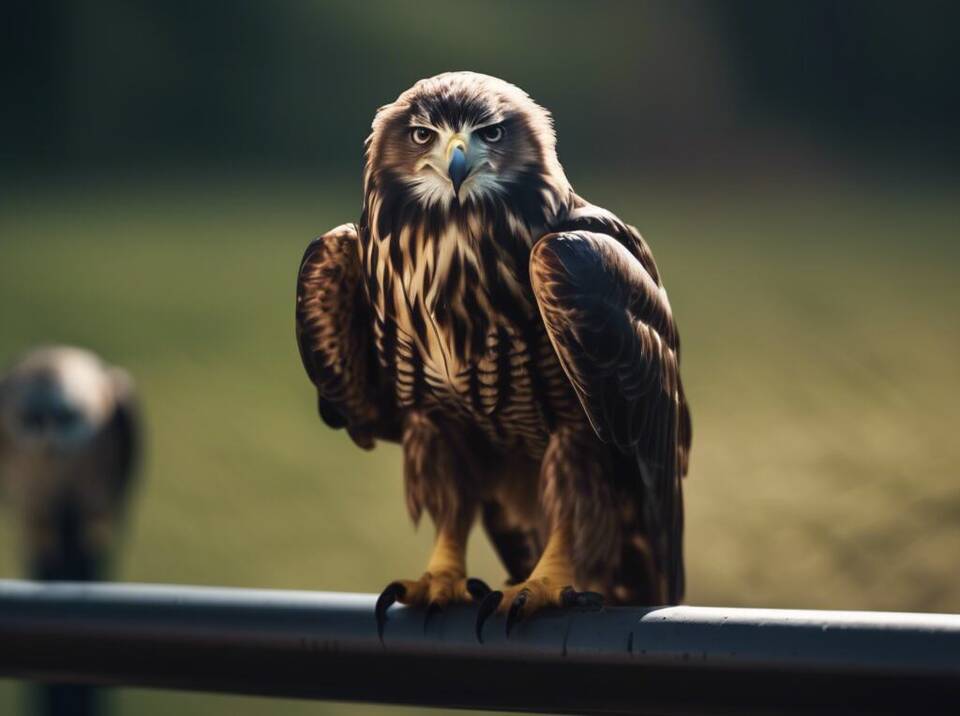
x=120, y=82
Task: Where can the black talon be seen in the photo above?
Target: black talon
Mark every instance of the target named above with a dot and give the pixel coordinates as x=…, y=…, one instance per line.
x=478, y=589
x=433, y=608
x=487, y=607
x=388, y=596
x=516, y=609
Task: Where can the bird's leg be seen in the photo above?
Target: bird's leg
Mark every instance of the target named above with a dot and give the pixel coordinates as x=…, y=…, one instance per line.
x=445, y=581
x=550, y=584
x=440, y=478
x=575, y=505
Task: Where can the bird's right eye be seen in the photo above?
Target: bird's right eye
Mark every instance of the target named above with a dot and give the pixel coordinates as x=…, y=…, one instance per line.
x=421, y=135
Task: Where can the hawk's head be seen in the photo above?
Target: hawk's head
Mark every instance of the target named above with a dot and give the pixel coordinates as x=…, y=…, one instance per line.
x=56, y=399
x=463, y=138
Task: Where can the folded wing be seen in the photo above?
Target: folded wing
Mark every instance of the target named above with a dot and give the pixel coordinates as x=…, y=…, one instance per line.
x=610, y=322
x=335, y=336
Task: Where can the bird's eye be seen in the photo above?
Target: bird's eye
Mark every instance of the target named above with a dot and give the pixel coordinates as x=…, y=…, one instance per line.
x=421, y=135
x=492, y=134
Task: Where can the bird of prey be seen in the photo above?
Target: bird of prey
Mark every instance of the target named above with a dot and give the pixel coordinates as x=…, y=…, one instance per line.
x=518, y=342
x=69, y=436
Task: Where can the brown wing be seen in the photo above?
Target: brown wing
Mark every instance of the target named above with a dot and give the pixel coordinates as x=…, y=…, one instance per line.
x=335, y=336
x=611, y=325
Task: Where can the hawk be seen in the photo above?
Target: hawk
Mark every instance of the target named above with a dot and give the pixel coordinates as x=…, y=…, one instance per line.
x=517, y=341
x=69, y=436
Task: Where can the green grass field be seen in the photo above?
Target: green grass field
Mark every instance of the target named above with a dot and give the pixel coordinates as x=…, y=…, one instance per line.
x=821, y=342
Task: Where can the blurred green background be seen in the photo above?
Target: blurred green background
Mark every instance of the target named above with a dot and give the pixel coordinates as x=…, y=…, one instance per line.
x=793, y=166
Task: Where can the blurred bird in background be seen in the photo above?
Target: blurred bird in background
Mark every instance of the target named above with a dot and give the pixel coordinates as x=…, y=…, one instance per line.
x=69, y=446
x=69, y=442
x=518, y=341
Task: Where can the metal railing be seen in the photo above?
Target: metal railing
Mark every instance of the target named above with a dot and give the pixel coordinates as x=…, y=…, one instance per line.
x=673, y=660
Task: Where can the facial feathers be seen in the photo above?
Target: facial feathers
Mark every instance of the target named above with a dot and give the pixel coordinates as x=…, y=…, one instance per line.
x=507, y=141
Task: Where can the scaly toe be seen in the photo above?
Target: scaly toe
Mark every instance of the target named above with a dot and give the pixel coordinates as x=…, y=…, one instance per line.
x=521, y=602
x=434, y=591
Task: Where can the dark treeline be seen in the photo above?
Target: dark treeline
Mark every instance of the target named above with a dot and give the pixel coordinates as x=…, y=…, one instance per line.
x=100, y=83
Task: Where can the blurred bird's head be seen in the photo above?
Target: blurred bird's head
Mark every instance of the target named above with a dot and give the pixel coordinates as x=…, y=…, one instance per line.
x=56, y=400
x=461, y=138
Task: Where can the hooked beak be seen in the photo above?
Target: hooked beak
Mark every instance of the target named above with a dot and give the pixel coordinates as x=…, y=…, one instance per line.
x=457, y=168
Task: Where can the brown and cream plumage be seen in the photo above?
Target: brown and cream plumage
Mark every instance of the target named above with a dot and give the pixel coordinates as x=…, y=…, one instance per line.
x=69, y=444
x=517, y=341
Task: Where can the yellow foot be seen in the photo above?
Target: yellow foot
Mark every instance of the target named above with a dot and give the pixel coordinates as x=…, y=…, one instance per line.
x=521, y=601
x=433, y=591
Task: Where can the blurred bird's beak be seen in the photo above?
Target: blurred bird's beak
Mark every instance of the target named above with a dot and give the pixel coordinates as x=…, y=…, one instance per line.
x=457, y=167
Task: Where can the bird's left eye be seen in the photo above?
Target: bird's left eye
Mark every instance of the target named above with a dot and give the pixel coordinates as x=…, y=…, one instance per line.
x=421, y=135
x=492, y=134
